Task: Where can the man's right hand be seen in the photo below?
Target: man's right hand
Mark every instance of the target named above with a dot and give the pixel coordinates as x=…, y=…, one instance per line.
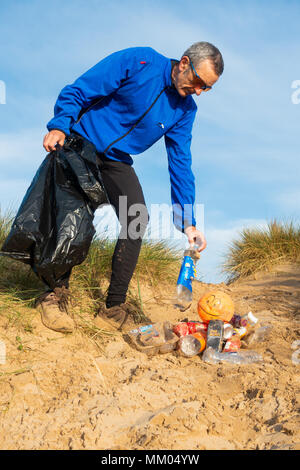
x=52, y=138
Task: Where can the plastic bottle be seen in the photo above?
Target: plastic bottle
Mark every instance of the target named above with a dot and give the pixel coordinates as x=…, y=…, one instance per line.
x=242, y=357
x=251, y=320
x=191, y=345
x=184, y=291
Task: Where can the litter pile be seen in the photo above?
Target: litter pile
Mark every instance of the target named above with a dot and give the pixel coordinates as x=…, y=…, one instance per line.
x=221, y=335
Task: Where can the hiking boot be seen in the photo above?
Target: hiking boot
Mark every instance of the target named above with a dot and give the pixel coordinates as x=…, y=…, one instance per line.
x=118, y=317
x=53, y=307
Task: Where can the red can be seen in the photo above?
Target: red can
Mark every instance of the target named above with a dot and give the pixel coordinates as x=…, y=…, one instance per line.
x=233, y=344
x=189, y=328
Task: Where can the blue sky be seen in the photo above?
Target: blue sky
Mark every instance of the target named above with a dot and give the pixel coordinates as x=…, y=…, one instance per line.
x=246, y=135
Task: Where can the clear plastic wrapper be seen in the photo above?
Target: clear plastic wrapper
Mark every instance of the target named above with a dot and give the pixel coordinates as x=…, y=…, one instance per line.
x=154, y=339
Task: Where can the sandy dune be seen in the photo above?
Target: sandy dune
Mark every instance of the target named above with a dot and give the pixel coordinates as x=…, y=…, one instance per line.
x=72, y=395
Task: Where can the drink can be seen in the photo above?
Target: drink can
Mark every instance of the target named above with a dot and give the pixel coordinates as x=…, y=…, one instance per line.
x=228, y=331
x=233, y=344
x=215, y=334
x=188, y=328
x=190, y=345
x=202, y=340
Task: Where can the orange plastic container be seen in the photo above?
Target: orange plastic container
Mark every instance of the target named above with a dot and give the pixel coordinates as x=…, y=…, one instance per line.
x=215, y=305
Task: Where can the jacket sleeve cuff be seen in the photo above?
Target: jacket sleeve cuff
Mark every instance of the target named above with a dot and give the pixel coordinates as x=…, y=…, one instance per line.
x=183, y=218
x=54, y=128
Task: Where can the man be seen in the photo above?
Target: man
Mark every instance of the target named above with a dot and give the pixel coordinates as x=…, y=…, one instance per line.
x=123, y=105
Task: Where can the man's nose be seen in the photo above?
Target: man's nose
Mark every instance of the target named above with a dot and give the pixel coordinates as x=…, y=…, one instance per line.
x=198, y=91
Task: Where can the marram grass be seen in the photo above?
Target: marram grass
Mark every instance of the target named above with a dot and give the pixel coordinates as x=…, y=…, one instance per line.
x=260, y=249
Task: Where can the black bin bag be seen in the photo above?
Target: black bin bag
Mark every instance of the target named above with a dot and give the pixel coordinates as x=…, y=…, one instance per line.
x=53, y=228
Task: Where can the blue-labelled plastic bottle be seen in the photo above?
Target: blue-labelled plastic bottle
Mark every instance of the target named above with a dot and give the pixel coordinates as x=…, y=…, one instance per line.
x=184, y=290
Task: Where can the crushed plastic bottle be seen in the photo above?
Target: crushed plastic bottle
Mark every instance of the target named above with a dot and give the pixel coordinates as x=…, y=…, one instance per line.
x=242, y=357
x=184, y=291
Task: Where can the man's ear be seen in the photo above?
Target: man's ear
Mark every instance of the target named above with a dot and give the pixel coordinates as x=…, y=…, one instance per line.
x=184, y=63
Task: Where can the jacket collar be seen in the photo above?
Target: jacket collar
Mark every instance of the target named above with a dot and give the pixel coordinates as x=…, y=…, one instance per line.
x=167, y=76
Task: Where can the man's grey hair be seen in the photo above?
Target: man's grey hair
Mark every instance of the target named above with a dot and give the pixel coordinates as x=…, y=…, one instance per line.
x=201, y=51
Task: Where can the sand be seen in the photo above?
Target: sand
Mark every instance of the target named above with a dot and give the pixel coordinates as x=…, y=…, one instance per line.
x=69, y=394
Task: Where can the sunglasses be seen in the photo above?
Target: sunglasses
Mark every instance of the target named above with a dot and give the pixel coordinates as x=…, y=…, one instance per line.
x=204, y=87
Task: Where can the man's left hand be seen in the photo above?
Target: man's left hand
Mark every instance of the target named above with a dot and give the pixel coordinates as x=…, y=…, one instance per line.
x=195, y=237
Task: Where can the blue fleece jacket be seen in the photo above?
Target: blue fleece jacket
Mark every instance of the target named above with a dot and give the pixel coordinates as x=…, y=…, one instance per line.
x=115, y=94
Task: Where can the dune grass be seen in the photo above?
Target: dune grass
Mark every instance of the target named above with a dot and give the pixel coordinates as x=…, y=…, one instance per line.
x=158, y=264
x=260, y=249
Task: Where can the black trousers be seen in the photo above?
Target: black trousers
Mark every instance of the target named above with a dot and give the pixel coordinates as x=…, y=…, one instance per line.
x=126, y=196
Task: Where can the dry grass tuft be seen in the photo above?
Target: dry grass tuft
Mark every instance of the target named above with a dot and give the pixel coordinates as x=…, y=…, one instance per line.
x=261, y=249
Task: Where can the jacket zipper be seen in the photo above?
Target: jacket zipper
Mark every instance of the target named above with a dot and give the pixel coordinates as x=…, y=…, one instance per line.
x=82, y=112
x=137, y=122
x=134, y=125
